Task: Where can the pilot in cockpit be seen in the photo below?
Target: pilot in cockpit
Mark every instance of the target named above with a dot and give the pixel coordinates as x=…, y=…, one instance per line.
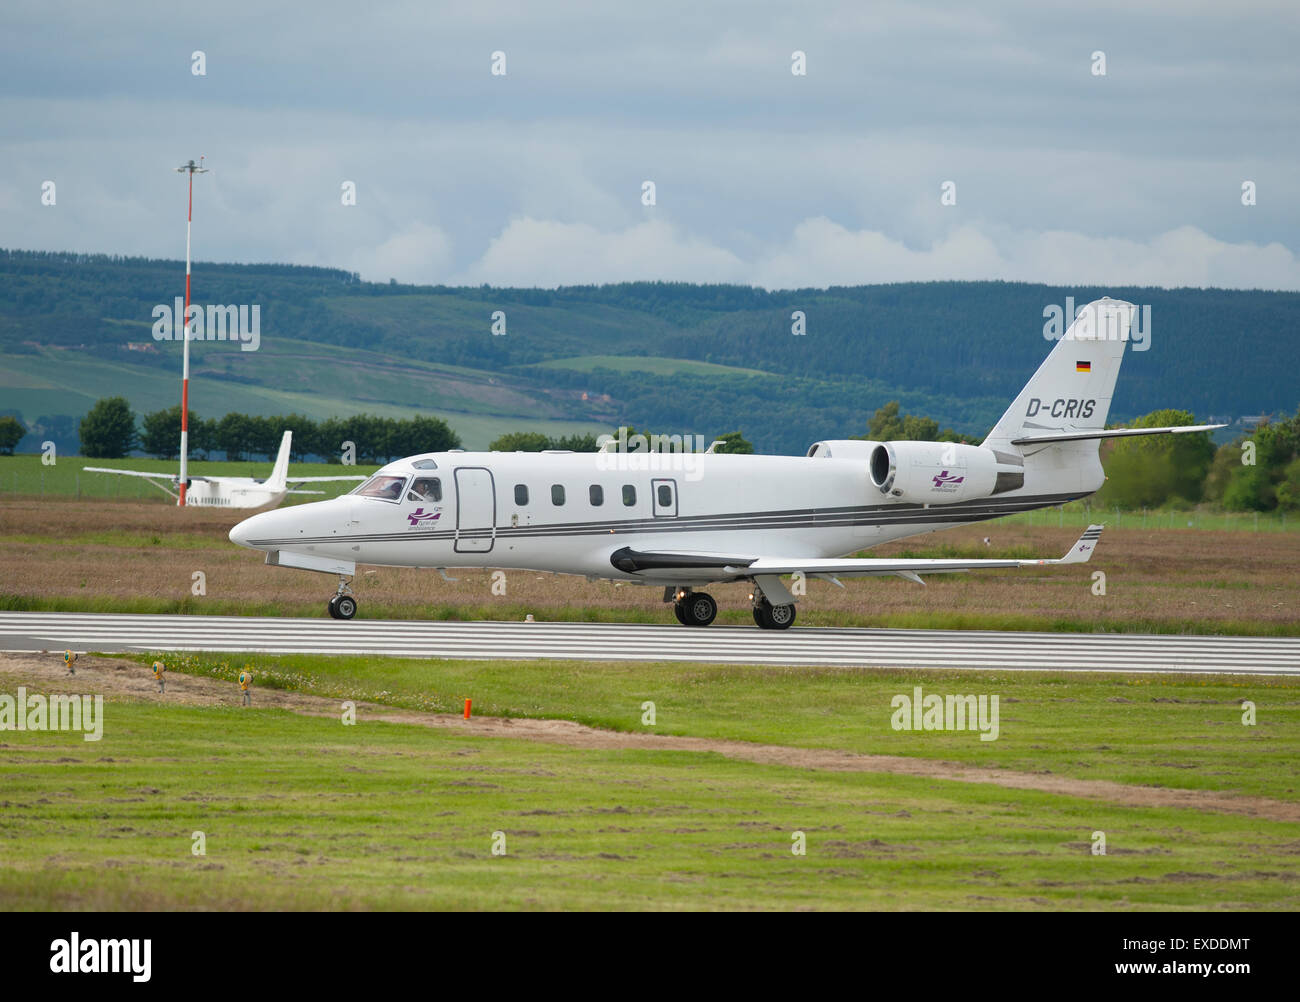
x=425, y=489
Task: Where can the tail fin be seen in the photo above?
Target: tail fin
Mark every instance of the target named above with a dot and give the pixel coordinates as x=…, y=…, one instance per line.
x=280, y=472
x=1072, y=389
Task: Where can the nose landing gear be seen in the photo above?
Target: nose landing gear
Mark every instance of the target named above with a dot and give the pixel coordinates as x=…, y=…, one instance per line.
x=343, y=605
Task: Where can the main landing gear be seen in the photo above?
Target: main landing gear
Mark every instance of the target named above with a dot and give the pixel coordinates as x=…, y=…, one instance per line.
x=694, y=608
x=343, y=605
x=773, y=617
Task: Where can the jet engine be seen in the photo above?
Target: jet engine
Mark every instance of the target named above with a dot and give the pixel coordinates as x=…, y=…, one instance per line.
x=942, y=472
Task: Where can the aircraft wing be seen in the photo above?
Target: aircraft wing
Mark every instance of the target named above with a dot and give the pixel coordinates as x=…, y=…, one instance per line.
x=1079, y=553
x=321, y=480
x=136, y=473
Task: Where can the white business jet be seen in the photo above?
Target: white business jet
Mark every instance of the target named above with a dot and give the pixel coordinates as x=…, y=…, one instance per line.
x=682, y=521
x=232, y=492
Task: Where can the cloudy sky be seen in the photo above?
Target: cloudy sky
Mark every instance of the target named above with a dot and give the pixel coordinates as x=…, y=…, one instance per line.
x=761, y=176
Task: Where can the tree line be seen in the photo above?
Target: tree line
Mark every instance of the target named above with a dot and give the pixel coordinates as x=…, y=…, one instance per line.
x=109, y=431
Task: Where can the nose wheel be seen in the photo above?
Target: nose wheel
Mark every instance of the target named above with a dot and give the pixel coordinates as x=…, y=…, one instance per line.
x=342, y=605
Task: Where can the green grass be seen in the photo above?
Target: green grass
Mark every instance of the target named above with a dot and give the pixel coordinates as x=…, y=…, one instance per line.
x=27, y=475
x=284, y=376
x=1128, y=729
x=1084, y=513
x=304, y=813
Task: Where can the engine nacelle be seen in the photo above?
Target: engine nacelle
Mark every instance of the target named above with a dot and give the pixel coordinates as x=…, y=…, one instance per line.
x=845, y=448
x=942, y=472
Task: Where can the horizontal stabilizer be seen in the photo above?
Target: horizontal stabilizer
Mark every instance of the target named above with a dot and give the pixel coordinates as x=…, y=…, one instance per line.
x=1080, y=436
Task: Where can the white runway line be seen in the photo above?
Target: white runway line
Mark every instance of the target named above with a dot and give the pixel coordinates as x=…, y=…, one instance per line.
x=639, y=642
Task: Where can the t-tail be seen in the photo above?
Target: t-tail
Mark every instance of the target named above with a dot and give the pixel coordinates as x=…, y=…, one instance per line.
x=280, y=472
x=1059, y=419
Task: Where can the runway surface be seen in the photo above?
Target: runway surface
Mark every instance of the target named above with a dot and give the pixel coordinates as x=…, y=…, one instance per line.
x=55, y=632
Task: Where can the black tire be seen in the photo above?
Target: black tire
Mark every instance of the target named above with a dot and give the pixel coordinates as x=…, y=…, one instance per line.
x=680, y=612
x=345, y=607
x=700, y=609
x=780, y=617
x=333, y=607
x=774, y=617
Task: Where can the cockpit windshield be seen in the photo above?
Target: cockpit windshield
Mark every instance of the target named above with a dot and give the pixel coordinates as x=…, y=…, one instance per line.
x=384, y=487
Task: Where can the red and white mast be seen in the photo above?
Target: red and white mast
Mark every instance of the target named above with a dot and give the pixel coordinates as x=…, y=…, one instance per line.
x=191, y=169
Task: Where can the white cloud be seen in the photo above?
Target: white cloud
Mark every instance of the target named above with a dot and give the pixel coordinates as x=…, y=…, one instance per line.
x=537, y=252
x=420, y=253
x=821, y=252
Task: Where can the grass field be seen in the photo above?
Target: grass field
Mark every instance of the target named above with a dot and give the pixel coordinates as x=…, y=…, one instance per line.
x=698, y=812
x=131, y=556
x=285, y=376
x=653, y=364
x=27, y=477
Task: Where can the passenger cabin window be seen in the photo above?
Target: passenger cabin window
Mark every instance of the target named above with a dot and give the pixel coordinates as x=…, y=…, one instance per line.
x=521, y=494
x=597, y=495
x=557, y=494
x=383, y=487
x=629, y=495
x=665, y=496
x=425, y=489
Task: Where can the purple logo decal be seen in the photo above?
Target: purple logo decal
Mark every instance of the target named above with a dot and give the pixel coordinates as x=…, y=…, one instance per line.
x=420, y=515
x=944, y=481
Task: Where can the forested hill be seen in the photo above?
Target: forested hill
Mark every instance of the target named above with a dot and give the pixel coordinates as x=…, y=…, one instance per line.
x=586, y=356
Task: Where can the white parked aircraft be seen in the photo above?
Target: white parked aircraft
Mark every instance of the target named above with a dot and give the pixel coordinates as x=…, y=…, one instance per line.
x=232, y=492
x=684, y=521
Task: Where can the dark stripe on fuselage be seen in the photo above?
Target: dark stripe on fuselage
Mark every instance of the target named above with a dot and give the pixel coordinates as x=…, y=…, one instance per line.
x=800, y=518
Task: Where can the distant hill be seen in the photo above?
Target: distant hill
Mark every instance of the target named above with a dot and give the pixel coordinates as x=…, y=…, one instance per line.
x=675, y=357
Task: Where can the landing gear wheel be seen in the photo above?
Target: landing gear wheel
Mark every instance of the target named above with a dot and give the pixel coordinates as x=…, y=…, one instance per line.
x=780, y=617
x=774, y=617
x=698, y=609
x=342, y=605
x=680, y=613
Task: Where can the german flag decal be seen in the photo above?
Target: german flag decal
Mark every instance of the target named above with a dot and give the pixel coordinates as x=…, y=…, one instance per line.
x=1082, y=366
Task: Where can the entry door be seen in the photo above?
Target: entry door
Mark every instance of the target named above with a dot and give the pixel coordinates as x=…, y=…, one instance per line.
x=476, y=510
x=665, y=497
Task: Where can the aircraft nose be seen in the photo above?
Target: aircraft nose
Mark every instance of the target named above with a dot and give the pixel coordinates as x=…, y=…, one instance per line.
x=245, y=531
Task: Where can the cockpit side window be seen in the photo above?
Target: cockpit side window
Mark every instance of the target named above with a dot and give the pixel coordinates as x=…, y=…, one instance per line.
x=425, y=489
x=383, y=487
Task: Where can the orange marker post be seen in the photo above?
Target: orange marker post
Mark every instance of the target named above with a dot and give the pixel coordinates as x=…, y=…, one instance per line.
x=467, y=702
